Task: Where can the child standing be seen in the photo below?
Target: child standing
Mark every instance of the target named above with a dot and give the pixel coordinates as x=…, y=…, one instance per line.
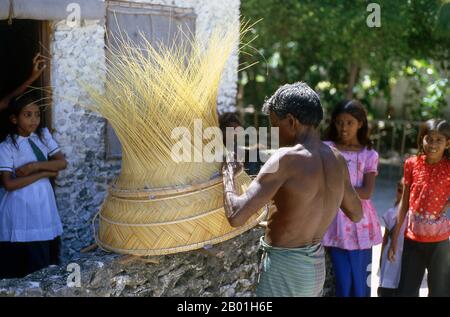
x=350, y=244
x=231, y=120
x=390, y=271
x=424, y=203
x=38, y=68
x=29, y=222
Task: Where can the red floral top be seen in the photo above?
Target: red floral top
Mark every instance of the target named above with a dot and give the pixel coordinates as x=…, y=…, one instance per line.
x=429, y=192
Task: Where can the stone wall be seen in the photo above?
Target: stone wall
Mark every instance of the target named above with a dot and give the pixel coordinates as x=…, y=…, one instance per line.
x=195, y=273
x=78, y=54
x=230, y=273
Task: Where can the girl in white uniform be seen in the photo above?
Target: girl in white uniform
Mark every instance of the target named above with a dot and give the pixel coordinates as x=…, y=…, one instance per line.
x=30, y=225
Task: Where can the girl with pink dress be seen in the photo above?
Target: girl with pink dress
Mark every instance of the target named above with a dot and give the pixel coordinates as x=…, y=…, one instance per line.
x=350, y=244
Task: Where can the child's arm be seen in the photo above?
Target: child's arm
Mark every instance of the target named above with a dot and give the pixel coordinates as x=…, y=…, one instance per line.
x=366, y=190
x=12, y=184
x=56, y=163
x=351, y=203
x=402, y=210
x=37, y=71
x=446, y=207
x=385, y=241
x=386, y=235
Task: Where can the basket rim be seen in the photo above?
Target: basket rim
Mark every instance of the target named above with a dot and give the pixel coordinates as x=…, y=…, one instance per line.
x=176, y=195
x=165, y=192
x=184, y=248
x=164, y=223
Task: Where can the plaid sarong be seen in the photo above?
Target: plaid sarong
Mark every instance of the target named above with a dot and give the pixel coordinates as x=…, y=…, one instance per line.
x=291, y=272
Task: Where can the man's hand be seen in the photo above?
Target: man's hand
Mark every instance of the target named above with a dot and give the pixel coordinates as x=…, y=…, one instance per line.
x=263, y=224
x=38, y=67
x=26, y=169
x=230, y=166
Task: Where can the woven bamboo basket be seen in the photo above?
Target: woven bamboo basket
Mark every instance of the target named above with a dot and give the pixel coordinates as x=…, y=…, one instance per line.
x=170, y=220
x=158, y=205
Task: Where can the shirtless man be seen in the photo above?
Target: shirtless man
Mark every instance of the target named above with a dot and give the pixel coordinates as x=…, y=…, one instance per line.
x=308, y=187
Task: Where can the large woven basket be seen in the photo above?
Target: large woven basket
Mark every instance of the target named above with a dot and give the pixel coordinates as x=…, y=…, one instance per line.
x=158, y=204
x=169, y=220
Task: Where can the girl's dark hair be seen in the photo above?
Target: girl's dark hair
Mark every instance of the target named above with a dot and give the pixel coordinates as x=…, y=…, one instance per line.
x=228, y=118
x=14, y=108
x=433, y=125
x=356, y=110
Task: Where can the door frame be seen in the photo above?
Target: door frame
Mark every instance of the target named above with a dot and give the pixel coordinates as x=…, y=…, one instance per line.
x=44, y=41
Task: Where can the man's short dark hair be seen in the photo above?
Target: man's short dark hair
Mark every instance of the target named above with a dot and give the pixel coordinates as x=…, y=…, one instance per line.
x=299, y=100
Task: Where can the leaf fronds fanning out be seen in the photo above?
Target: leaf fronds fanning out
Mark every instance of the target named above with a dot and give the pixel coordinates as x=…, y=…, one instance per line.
x=152, y=89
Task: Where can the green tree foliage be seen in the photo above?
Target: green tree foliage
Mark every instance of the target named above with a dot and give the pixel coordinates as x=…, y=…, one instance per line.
x=327, y=42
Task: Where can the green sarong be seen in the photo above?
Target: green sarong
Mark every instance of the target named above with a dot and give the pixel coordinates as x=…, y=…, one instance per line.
x=291, y=272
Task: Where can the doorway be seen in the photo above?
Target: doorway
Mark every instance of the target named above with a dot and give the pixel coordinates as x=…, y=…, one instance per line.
x=19, y=43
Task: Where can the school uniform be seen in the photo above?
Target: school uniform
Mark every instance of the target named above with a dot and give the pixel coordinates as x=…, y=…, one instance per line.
x=390, y=271
x=2, y=192
x=30, y=225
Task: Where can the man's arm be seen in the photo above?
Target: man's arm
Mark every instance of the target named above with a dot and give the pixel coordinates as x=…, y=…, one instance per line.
x=351, y=204
x=263, y=188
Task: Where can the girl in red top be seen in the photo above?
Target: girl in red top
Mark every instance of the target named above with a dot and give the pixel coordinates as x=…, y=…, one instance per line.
x=425, y=202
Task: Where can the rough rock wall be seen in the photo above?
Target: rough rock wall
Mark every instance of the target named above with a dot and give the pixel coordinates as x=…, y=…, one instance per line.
x=195, y=273
x=232, y=273
x=78, y=55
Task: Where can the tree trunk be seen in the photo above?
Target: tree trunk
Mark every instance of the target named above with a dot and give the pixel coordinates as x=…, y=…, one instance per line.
x=240, y=102
x=354, y=70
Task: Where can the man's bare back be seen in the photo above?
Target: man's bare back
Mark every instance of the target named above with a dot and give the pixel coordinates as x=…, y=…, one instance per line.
x=308, y=200
x=308, y=181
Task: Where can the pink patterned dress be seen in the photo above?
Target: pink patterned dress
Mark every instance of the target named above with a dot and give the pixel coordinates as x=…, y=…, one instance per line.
x=343, y=233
